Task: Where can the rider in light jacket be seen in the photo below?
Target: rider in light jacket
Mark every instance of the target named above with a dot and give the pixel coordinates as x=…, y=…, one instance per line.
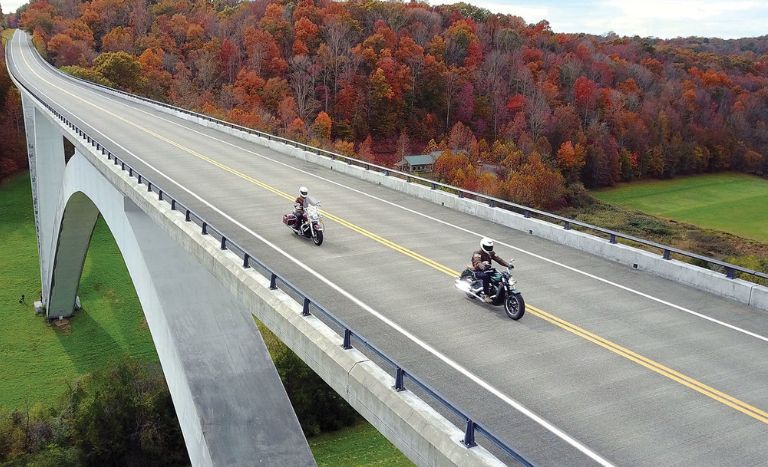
x=481, y=263
x=299, y=204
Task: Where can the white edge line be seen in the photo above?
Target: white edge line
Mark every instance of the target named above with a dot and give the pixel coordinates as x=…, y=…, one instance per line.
x=518, y=406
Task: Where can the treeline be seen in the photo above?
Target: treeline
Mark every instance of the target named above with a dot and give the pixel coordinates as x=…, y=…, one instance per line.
x=527, y=113
x=13, y=153
x=124, y=415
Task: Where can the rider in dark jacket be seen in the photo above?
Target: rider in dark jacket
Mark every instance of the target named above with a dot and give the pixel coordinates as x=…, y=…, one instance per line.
x=481, y=263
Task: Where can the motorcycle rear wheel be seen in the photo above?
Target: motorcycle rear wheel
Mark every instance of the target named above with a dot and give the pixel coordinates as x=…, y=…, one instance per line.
x=318, y=238
x=514, y=305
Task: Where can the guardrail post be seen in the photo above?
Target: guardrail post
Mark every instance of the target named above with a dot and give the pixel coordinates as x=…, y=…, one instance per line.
x=434, y=186
x=149, y=186
x=469, y=435
x=347, y=339
x=139, y=177
x=273, y=282
x=527, y=214
x=173, y=204
x=160, y=195
x=613, y=238
x=567, y=225
x=205, y=228
x=186, y=216
x=730, y=273
x=305, y=310
x=122, y=165
x=245, y=260
x=399, y=385
x=130, y=172
x=223, y=242
x=666, y=253
x=461, y=194
x=386, y=173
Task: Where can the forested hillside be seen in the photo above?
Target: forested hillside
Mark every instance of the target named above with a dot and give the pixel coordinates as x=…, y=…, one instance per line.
x=13, y=154
x=524, y=112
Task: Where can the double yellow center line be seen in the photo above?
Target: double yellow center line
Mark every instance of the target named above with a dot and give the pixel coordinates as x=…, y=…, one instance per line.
x=656, y=367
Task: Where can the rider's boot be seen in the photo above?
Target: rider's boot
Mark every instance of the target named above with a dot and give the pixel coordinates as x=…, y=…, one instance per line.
x=487, y=297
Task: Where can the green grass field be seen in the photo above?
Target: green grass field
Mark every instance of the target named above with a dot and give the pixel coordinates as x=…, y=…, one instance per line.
x=730, y=202
x=359, y=445
x=37, y=359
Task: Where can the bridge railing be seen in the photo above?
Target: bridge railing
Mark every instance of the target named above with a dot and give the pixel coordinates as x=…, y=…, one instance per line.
x=277, y=281
x=728, y=269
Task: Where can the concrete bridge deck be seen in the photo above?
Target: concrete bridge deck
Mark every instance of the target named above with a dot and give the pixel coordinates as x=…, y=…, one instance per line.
x=622, y=365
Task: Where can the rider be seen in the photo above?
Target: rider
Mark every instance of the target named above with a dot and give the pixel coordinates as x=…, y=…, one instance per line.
x=481, y=264
x=299, y=205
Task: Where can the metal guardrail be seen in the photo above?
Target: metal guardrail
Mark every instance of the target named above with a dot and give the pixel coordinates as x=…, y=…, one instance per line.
x=730, y=270
x=276, y=281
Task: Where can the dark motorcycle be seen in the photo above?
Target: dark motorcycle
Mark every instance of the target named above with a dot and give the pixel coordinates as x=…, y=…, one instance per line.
x=310, y=225
x=503, y=291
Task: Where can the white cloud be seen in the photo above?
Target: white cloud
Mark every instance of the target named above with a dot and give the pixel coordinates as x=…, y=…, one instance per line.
x=10, y=6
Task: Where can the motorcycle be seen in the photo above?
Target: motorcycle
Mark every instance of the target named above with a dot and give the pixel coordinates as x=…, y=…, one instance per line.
x=310, y=225
x=503, y=291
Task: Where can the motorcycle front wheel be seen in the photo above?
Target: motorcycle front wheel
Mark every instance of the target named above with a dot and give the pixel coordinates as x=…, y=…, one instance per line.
x=318, y=238
x=514, y=305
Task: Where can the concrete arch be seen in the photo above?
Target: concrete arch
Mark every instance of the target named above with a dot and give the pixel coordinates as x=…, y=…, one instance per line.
x=231, y=405
x=74, y=236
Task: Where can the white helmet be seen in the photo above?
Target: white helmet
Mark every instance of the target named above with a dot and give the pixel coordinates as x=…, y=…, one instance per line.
x=486, y=244
x=303, y=191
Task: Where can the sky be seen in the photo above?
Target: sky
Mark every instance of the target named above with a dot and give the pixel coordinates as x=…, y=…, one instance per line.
x=665, y=19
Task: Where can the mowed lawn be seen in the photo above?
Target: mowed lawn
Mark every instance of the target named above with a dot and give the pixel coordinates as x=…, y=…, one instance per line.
x=359, y=445
x=731, y=202
x=38, y=359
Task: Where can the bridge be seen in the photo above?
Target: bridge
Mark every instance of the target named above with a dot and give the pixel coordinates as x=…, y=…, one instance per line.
x=623, y=357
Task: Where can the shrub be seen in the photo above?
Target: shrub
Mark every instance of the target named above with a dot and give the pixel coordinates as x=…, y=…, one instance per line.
x=318, y=407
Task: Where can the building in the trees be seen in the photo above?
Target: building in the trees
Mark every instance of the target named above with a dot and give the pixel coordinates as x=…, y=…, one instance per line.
x=418, y=162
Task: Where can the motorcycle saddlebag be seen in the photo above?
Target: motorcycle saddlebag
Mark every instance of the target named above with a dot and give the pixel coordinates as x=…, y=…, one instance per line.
x=289, y=219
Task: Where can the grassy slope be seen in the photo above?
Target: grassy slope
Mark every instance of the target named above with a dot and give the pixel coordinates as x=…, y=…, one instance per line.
x=37, y=359
x=730, y=202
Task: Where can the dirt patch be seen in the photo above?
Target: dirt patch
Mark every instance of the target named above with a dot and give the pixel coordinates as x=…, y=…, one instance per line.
x=62, y=325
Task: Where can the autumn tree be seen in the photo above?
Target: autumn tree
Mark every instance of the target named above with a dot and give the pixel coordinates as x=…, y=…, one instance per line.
x=322, y=127
x=536, y=184
x=121, y=68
